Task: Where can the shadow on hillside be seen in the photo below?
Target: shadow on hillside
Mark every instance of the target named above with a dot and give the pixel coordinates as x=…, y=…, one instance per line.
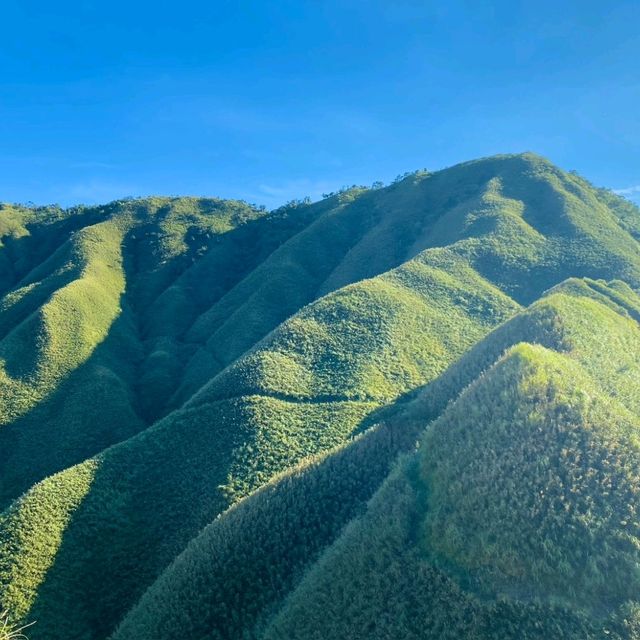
x=90, y=409
x=36, y=258
x=26, y=253
x=108, y=398
x=148, y=499
x=168, y=298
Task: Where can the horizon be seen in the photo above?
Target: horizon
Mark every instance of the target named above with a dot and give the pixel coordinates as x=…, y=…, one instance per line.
x=632, y=194
x=278, y=102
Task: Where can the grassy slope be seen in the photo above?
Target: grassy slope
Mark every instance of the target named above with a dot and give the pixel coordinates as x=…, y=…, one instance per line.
x=83, y=283
x=66, y=328
x=249, y=567
x=169, y=481
x=308, y=385
x=78, y=326
x=28, y=236
x=216, y=561
x=517, y=219
x=516, y=518
x=246, y=561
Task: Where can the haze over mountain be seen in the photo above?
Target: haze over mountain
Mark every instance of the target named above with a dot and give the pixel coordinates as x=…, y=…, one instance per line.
x=409, y=411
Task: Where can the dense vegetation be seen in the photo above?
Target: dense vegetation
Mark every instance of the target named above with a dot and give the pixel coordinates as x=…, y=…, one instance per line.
x=210, y=413
x=516, y=517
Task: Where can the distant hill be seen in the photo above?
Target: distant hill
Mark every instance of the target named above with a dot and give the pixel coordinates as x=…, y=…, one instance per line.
x=401, y=412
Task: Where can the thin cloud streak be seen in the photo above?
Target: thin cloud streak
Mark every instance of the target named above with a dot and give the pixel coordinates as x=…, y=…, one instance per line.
x=628, y=191
x=274, y=195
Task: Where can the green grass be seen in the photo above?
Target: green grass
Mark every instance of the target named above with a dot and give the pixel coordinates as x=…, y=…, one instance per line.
x=10, y=631
x=216, y=562
x=532, y=481
x=178, y=354
x=516, y=518
x=37, y=522
x=70, y=330
x=230, y=577
x=188, y=459
x=63, y=332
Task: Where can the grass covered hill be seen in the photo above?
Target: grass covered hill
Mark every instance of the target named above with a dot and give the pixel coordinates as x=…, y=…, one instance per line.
x=209, y=412
x=517, y=515
x=216, y=588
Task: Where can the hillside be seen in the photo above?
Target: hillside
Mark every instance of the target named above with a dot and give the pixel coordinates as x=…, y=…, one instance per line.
x=210, y=412
x=516, y=517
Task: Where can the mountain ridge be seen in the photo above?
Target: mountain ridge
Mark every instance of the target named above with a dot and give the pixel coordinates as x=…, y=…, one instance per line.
x=241, y=343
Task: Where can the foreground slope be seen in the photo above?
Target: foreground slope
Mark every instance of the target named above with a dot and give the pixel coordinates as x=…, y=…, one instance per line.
x=261, y=384
x=516, y=517
x=280, y=530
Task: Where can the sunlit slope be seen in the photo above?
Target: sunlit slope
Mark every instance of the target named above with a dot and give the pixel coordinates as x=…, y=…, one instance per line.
x=29, y=236
x=50, y=341
x=518, y=220
x=213, y=322
x=516, y=517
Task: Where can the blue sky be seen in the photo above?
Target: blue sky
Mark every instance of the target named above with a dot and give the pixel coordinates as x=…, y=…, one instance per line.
x=274, y=100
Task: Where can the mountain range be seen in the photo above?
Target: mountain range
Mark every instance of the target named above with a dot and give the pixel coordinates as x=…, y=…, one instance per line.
x=407, y=412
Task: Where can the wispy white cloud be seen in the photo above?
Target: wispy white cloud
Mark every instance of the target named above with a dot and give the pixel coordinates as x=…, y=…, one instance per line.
x=629, y=191
x=275, y=194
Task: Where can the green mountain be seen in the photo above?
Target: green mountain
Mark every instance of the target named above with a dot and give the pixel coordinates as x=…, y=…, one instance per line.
x=401, y=412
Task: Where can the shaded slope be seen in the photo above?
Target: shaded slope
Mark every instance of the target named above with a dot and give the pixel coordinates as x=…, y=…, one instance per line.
x=289, y=279
x=246, y=561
